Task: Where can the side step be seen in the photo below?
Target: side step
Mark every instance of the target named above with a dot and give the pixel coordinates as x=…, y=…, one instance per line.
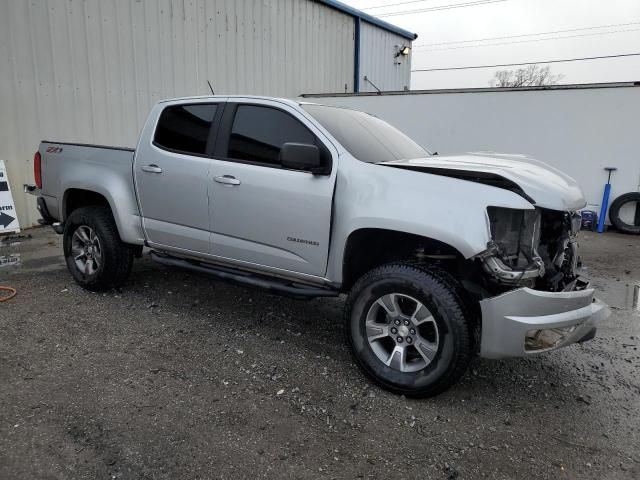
x=282, y=287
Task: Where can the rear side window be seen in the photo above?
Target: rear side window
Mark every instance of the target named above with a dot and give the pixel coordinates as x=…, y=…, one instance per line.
x=185, y=128
x=258, y=133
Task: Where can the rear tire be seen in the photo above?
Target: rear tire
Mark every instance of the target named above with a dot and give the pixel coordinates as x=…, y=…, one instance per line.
x=408, y=329
x=95, y=256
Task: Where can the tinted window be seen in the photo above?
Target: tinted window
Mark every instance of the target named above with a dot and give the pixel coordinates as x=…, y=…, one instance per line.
x=185, y=128
x=364, y=136
x=259, y=132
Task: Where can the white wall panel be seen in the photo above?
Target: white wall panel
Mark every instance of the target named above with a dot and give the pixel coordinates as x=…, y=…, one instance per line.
x=378, y=61
x=89, y=70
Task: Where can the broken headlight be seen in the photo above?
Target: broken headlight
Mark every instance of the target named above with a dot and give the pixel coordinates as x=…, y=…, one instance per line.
x=512, y=256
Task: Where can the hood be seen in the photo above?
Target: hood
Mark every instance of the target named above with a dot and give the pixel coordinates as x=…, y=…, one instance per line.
x=540, y=183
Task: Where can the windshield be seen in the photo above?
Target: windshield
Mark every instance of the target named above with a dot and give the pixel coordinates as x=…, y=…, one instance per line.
x=366, y=137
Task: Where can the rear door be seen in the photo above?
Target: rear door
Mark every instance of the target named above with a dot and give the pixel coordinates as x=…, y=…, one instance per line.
x=171, y=171
x=263, y=215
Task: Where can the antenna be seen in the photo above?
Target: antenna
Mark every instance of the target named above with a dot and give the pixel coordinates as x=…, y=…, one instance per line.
x=210, y=88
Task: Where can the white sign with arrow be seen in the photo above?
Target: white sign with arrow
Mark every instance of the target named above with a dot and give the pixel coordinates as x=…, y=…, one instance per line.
x=8, y=215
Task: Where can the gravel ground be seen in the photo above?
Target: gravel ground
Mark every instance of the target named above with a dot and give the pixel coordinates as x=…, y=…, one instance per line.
x=177, y=376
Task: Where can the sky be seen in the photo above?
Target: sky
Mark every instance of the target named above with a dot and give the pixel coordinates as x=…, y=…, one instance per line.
x=589, y=28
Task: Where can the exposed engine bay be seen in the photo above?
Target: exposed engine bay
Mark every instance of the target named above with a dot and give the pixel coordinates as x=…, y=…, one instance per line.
x=535, y=248
x=529, y=247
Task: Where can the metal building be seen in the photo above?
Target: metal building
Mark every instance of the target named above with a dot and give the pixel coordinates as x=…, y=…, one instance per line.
x=89, y=70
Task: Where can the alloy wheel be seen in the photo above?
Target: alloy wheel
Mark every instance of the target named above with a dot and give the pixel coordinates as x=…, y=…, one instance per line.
x=402, y=332
x=86, y=250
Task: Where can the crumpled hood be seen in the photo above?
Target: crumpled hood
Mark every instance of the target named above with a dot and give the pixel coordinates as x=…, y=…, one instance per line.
x=545, y=185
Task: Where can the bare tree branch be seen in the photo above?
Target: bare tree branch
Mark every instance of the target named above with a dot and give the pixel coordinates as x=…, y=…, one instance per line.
x=531, y=76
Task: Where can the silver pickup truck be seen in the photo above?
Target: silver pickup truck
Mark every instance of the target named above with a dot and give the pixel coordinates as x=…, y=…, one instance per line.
x=440, y=257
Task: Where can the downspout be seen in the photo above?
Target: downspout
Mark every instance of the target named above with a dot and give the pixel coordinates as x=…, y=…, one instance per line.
x=356, y=55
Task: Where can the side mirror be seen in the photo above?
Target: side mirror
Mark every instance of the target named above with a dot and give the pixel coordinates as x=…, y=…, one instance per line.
x=301, y=156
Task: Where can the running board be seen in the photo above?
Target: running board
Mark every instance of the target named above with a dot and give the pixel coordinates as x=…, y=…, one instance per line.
x=282, y=287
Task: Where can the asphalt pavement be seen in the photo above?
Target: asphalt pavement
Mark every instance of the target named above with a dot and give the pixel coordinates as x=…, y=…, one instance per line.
x=178, y=376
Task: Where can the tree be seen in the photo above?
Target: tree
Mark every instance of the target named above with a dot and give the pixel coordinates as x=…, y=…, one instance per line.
x=531, y=76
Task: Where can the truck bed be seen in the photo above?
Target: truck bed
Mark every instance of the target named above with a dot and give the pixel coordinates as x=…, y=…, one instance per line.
x=106, y=170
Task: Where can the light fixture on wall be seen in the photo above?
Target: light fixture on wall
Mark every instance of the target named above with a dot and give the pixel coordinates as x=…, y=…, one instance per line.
x=402, y=50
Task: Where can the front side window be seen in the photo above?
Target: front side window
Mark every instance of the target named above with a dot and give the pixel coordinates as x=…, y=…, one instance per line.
x=185, y=128
x=258, y=134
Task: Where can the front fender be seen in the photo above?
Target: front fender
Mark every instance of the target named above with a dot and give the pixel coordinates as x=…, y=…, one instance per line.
x=449, y=210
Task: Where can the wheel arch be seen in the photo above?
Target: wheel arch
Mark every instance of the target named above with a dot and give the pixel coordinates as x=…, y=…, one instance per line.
x=127, y=223
x=75, y=198
x=367, y=248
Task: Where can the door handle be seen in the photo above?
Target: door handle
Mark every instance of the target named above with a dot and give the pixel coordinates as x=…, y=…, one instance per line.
x=227, y=180
x=153, y=168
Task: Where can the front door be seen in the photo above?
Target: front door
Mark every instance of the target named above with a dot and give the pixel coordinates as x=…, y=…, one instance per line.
x=171, y=174
x=264, y=216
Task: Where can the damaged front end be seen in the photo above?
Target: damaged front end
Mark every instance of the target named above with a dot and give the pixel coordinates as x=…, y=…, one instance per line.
x=535, y=301
x=535, y=248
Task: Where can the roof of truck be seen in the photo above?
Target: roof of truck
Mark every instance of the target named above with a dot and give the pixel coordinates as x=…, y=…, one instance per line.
x=252, y=97
x=287, y=101
x=206, y=97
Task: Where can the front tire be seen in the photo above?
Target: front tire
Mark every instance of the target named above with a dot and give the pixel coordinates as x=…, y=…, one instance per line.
x=408, y=329
x=95, y=256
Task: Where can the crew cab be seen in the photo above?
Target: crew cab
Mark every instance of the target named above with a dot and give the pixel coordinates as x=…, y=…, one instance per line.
x=441, y=257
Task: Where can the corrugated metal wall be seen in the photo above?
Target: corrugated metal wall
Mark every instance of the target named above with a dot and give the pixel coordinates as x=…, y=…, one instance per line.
x=89, y=70
x=377, y=62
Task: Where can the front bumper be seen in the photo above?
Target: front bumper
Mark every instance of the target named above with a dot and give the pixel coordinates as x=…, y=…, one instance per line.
x=508, y=318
